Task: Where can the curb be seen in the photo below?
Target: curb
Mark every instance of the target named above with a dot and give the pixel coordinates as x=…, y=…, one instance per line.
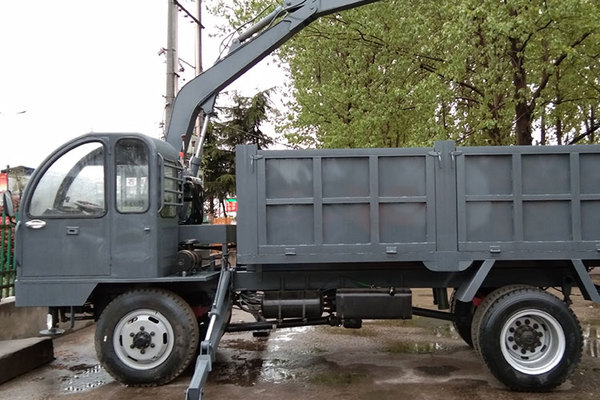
x=19, y=356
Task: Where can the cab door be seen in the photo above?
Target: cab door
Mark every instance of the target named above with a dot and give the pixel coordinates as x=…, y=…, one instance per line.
x=64, y=226
x=134, y=223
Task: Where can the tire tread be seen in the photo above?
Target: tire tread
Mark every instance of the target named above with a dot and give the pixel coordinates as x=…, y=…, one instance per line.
x=173, y=302
x=559, y=377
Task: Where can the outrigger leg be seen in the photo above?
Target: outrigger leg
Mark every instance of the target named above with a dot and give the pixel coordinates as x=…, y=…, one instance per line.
x=219, y=315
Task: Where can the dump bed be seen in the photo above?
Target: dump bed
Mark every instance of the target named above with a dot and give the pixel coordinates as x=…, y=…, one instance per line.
x=444, y=206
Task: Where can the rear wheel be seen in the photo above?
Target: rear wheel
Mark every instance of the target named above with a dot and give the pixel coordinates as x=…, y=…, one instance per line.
x=146, y=337
x=485, y=305
x=530, y=340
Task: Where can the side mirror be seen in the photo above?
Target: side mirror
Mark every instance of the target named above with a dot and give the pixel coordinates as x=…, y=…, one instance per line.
x=8, y=204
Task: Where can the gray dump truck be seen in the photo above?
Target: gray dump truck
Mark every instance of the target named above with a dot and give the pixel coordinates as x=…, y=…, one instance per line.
x=110, y=228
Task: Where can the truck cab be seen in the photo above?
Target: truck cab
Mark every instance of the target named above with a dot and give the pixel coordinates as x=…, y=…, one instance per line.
x=103, y=206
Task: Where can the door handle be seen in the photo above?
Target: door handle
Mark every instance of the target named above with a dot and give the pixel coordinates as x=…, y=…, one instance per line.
x=35, y=224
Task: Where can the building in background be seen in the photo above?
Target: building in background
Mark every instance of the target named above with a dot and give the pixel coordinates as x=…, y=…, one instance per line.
x=15, y=179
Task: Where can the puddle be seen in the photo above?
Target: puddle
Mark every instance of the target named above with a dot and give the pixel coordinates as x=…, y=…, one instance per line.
x=250, y=361
x=286, y=335
x=240, y=372
x=247, y=371
x=336, y=378
x=414, y=348
x=591, y=340
x=316, y=371
x=438, y=328
x=86, y=377
x=246, y=345
x=247, y=365
x=277, y=371
x=446, y=331
x=278, y=360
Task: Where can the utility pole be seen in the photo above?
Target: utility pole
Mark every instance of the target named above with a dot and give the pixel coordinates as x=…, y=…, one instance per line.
x=173, y=59
x=199, y=27
x=171, y=54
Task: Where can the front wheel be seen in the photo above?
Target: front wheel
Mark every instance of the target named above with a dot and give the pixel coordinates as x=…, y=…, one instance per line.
x=146, y=337
x=530, y=340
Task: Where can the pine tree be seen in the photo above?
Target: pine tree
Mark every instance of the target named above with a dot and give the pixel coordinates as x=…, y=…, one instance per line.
x=240, y=123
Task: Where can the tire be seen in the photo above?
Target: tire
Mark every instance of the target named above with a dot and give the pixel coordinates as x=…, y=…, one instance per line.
x=464, y=317
x=530, y=340
x=146, y=337
x=485, y=305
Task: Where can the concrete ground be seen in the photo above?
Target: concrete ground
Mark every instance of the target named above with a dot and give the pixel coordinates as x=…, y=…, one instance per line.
x=416, y=359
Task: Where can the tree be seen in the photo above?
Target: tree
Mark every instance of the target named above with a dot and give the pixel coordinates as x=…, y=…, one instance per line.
x=240, y=124
x=402, y=72
x=244, y=119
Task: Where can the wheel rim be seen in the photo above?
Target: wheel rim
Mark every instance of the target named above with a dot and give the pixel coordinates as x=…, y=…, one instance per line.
x=532, y=342
x=143, y=339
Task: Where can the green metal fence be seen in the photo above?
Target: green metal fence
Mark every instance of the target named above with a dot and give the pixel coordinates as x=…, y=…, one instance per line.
x=7, y=259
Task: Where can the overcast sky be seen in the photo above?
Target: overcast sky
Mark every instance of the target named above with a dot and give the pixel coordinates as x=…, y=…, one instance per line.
x=69, y=67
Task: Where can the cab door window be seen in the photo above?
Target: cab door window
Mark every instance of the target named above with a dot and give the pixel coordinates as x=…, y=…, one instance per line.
x=73, y=186
x=132, y=176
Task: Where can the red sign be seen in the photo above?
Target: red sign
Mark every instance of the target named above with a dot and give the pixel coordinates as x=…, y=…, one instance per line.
x=231, y=206
x=3, y=182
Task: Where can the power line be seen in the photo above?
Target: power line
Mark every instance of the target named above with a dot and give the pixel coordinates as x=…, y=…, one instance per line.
x=189, y=14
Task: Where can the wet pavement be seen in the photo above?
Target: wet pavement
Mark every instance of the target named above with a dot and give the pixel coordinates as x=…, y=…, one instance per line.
x=417, y=359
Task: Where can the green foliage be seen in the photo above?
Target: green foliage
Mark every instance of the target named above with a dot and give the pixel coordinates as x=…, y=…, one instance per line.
x=242, y=124
x=399, y=72
x=239, y=123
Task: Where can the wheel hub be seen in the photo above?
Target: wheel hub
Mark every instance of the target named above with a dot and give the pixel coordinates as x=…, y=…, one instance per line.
x=143, y=339
x=527, y=338
x=533, y=341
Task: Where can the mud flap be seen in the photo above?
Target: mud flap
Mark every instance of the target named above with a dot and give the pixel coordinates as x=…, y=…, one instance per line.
x=588, y=286
x=218, y=322
x=469, y=288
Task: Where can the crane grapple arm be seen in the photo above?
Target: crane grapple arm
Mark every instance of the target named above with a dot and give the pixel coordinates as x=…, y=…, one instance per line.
x=199, y=94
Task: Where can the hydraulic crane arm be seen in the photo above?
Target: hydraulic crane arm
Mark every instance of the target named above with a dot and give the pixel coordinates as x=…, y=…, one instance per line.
x=200, y=93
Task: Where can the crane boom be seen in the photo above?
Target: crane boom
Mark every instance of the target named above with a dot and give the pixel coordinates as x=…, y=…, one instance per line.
x=200, y=93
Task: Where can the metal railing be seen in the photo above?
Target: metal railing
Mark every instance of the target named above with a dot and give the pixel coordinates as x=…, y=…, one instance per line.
x=7, y=259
